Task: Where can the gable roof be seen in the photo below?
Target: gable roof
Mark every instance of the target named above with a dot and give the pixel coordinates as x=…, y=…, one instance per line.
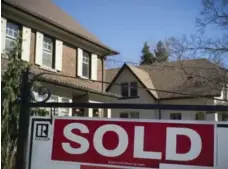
x=197, y=77
x=145, y=79
x=48, y=11
x=113, y=74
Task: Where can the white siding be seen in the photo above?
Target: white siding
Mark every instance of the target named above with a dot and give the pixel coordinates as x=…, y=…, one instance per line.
x=144, y=97
x=186, y=115
x=223, y=92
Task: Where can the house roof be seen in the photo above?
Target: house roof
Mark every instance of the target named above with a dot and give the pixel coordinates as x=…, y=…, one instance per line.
x=189, y=78
x=114, y=73
x=48, y=11
x=62, y=80
x=70, y=82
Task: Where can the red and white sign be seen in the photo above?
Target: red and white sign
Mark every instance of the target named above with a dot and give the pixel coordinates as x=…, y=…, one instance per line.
x=132, y=143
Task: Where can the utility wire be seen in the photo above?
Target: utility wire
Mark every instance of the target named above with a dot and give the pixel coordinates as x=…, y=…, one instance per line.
x=141, y=88
x=163, y=64
x=180, y=67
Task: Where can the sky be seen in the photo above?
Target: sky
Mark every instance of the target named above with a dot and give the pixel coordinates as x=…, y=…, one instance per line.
x=125, y=25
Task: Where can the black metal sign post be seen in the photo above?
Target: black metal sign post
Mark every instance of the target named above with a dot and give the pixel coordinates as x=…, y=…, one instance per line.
x=23, y=121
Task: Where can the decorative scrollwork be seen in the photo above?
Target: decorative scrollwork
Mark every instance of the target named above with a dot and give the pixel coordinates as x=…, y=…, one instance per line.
x=39, y=93
x=43, y=93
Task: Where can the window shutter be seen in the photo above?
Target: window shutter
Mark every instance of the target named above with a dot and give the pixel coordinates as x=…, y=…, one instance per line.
x=79, y=62
x=39, y=48
x=3, y=34
x=26, y=39
x=109, y=113
x=94, y=67
x=58, y=54
x=90, y=112
x=70, y=109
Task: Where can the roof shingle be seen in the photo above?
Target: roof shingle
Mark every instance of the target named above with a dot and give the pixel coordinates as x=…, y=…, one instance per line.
x=47, y=10
x=68, y=81
x=197, y=77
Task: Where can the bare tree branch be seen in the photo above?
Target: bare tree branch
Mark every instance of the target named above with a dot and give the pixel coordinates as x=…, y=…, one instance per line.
x=214, y=12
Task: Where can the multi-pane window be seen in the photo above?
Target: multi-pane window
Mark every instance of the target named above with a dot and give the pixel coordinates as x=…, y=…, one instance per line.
x=225, y=93
x=200, y=116
x=86, y=65
x=60, y=111
x=96, y=113
x=224, y=116
x=78, y=112
x=134, y=89
x=99, y=113
x=64, y=110
x=129, y=89
x=53, y=98
x=12, y=34
x=132, y=115
x=123, y=115
x=175, y=116
x=47, y=59
x=124, y=89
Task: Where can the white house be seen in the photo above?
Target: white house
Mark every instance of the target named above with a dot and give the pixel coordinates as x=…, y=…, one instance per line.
x=194, y=82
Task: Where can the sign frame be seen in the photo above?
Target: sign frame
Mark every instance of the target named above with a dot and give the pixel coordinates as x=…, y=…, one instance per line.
x=35, y=119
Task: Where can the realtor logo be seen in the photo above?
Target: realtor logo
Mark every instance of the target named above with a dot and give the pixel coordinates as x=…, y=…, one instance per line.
x=42, y=131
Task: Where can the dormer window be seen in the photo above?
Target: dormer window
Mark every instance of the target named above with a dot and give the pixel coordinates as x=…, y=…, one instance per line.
x=129, y=89
x=124, y=90
x=133, y=89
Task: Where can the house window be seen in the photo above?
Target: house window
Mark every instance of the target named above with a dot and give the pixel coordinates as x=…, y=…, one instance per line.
x=134, y=89
x=47, y=59
x=12, y=34
x=133, y=115
x=224, y=116
x=86, y=65
x=225, y=93
x=123, y=115
x=129, y=89
x=95, y=112
x=78, y=112
x=55, y=99
x=175, y=116
x=65, y=111
x=99, y=113
x=124, y=89
x=200, y=116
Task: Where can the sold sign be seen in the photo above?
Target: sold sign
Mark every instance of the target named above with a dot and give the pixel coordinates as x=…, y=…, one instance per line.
x=133, y=143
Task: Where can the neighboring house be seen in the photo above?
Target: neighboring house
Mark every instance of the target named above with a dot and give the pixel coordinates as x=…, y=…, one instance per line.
x=195, y=82
x=53, y=42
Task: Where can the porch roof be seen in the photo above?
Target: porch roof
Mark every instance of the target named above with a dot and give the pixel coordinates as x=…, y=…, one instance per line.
x=69, y=82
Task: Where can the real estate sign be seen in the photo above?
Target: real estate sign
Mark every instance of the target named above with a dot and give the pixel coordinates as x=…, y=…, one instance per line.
x=85, y=143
